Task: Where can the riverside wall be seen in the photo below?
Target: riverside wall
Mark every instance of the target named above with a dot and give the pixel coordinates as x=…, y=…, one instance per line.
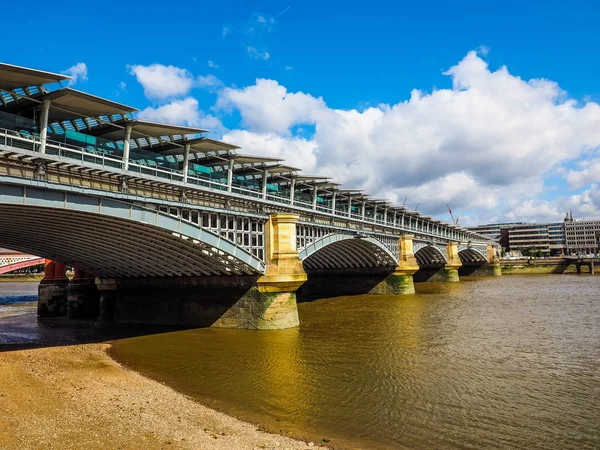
x=21, y=277
x=537, y=267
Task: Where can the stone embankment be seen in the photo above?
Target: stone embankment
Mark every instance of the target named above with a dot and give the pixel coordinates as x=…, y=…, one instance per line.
x=78, y=397
x=21, y=277
x=536, y=266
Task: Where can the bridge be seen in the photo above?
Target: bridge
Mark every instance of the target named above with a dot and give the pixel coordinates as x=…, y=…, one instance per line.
x=165, y=225
x=11, y=261
x=579, y=261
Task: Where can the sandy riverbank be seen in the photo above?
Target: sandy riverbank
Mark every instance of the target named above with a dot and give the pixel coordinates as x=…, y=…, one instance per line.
x=78, y=397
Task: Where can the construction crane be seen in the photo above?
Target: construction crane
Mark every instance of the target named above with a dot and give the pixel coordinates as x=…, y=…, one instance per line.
x=454, y=221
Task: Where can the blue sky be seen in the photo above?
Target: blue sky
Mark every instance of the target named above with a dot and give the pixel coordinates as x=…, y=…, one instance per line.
x=326, y=57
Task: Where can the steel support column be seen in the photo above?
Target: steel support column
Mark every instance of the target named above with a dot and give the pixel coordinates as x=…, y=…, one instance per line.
x=126, y=145
x=229, y=175
x=186, y=162
x=44, y=125
x=333, y=203
x=264, y=183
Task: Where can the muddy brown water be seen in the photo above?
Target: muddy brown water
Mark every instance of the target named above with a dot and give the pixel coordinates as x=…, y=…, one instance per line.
x=505, y=363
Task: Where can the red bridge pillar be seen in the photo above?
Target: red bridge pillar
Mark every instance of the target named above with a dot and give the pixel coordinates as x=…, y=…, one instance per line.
x=52, y=292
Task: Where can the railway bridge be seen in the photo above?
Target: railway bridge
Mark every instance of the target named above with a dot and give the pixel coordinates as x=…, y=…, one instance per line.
x=11, y=261
x=164, y=225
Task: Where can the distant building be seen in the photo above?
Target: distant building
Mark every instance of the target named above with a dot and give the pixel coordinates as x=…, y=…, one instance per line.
x=582, y=236
x=493, y=230
x=556, y=234
x=548, y=238
x=529, y=236
x=552, y=239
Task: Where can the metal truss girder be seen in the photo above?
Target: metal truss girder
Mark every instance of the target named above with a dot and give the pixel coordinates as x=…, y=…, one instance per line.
x=345, y=250
x=429, y=254
x=152, y=234
x=79, y=233
x=471, y=255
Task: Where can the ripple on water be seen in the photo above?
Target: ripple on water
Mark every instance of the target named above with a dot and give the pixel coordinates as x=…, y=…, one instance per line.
x=505, y=363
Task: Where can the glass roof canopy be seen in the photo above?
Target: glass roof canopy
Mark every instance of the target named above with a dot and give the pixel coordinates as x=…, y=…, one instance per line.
x=101, y=126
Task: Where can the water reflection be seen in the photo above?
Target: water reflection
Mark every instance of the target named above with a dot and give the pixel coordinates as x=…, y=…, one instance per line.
x=512, y=362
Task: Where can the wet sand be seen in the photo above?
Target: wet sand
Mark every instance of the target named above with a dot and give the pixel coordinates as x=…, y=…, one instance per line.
x=78, y=397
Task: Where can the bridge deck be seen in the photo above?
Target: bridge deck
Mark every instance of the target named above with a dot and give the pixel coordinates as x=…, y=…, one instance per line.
x=62, y=156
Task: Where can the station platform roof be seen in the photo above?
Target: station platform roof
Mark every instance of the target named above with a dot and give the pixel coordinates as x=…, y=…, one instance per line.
x=115, y=131
x=15, y=77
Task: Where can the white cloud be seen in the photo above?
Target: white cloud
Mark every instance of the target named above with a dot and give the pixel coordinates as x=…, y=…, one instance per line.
x=485, y=145
x=209, y=82
x=483, y=50
x=257, y=54
x=183, y=112
x=297, y=152
x=122, y=88
x=589, y=173
x=78, y=72
x=162, y=82
x=267, y=106
x=212, y=65
x=225, y=31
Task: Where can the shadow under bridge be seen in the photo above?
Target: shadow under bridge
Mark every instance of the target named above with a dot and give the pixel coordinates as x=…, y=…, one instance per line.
x=345, y=264
x=471, y=259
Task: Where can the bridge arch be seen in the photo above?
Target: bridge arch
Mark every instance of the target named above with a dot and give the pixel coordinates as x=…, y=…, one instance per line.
x=114, y=238
x=429, y=255
x=347, y=251
x=472, y=255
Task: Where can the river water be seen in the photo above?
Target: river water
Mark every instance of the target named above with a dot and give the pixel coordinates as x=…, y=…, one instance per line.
x=504, y=363
x=510, y=362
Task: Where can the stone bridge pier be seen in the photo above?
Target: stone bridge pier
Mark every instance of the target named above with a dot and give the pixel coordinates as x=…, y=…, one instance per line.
x=261, y=302
x=400, y=281
x=52, y=291
x=449, y=272
x=59, y=296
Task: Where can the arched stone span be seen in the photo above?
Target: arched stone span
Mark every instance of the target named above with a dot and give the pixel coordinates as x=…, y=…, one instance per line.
x=430, y=255
x=114, y=239
x=344, y=251
x=472, y=256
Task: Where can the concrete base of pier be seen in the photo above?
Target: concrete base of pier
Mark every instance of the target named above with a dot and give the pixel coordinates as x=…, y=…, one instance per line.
x=447, y=274
x=107, y=301
x=52, y=298
x=438, y=274
x=489, y=270
x=224, y=302
x=82, y=299
x=395, y=284
x=480, y=270
x=258, y=310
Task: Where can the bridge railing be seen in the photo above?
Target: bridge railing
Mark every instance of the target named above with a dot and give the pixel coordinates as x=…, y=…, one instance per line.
x=31, y=142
